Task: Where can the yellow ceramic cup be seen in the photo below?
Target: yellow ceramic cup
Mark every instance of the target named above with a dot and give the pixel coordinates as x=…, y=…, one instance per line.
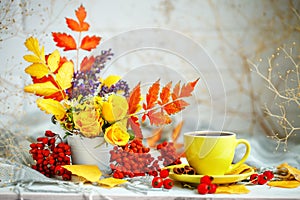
x=212, y=152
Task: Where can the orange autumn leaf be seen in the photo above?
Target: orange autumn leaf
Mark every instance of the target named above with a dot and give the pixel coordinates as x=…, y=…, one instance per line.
x=187, y=89
x=80, y=25
x=87, y=63
x=134, y=99
x=175, y=106
x=64, y=41
x=176, y=90
x=158, y=118
x=133, y=122
x=88, y=43
x=154, y=139
x=152, y=95
x=165, y=94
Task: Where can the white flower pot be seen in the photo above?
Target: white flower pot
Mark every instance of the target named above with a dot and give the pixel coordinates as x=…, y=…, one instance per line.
x=86, y=151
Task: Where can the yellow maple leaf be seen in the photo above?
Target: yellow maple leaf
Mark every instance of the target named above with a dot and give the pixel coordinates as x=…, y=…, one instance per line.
x=53, y=60
x=64, y=75
x=90, y=172
x=51, y=106
x=111, y=182
x=232, y=189
x=43, y=89
x=37, y=70
x=284, y=184
x=32, y=45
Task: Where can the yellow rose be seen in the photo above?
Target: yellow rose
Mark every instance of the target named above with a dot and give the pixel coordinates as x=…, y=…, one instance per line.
x=88, y=122
x=115, y=108
x=116, y=134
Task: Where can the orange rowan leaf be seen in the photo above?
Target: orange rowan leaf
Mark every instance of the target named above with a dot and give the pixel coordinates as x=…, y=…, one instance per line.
x=165, y=94
x=158, y=118
x=133, y=122
x=87, y=63
x=154, y=139
x=152, y=95
x=175, y=106
x=176, y=90
x=80, y=25
x=176, y=131
x=88, y=43
x=64, y=41
x=134, y=100
x=187, y=89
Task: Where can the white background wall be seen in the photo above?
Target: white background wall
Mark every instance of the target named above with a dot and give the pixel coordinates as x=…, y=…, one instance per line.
x=219, y=36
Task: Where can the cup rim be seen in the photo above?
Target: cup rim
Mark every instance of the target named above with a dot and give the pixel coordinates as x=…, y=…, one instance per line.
x=228, y=133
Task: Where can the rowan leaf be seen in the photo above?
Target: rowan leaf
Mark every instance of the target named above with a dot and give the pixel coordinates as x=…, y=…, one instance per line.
x=37, y=70
x=158, y=118
x=165, y=94
x=88, y=43
x=53, y=60
x=90, y=172
x=42, y=89
x=51, y=106
x=64, y=75
x=32, y=44
x=87, y=63
x=186, y=90
x=175, y=106
x=134, y=99
x=133, y=122
x=176, y=90
x=64, y=41
x=80, y=25
x=152, y=95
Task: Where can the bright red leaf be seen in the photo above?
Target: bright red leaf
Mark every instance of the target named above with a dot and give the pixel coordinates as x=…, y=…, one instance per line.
x=87, y=63
x=88, y=43
x=80, y=25
x=64, y=41
x=187, y=89
x=158, y=118
x=175, y=106
x=134, y=99
x=152, y=95
x=165, y=94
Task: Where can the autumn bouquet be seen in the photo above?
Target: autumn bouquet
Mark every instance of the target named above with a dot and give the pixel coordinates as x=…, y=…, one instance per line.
x=85, y=103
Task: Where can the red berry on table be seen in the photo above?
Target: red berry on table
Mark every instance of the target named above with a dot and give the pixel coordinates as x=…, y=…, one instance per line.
x=262, y=179
x=168, y=183
x=203, y=188
x=164, y=173
x=269, y=174
x=206, y=179
x=254, y=178
x=212, y=188
x=157, y=182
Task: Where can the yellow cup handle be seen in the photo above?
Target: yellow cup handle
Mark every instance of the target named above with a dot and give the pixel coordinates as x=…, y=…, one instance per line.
x=248, y=148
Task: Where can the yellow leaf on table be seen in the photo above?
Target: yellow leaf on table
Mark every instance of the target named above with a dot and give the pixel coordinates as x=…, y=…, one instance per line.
x=53, y=60
x=64, y=75
x=37, y=70
x=284, y=184
x=111, y=182
x=42, y=89
x=90, y=172
x=32, y=45
x=292, y=170
x=51, y=106
x=232, y=189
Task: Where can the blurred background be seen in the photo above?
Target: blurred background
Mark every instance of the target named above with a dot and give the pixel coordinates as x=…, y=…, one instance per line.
x=246, y=54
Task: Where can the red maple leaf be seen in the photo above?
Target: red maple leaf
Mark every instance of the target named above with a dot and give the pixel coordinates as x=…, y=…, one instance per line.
x=88, y=43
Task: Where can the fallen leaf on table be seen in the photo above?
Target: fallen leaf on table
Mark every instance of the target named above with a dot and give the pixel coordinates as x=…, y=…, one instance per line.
x=111, y=182
x=240, y=170
x=232, y=189
x=90, y=172
x=284, y=184
x=291, y=171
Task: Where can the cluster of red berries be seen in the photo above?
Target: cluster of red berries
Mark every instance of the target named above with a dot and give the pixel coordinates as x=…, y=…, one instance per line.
x=262, y=178
x=50, y=156
x=206, y=186
x=134, y=159
x=162, y=180
x=131, y=160
x=168, y=154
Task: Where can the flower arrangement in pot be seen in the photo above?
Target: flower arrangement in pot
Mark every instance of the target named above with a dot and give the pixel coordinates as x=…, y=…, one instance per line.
x=90, y=106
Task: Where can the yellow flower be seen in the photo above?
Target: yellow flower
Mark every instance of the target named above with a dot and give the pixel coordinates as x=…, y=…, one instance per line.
x=88, y=122
x=115, y=108
x=116, y=134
